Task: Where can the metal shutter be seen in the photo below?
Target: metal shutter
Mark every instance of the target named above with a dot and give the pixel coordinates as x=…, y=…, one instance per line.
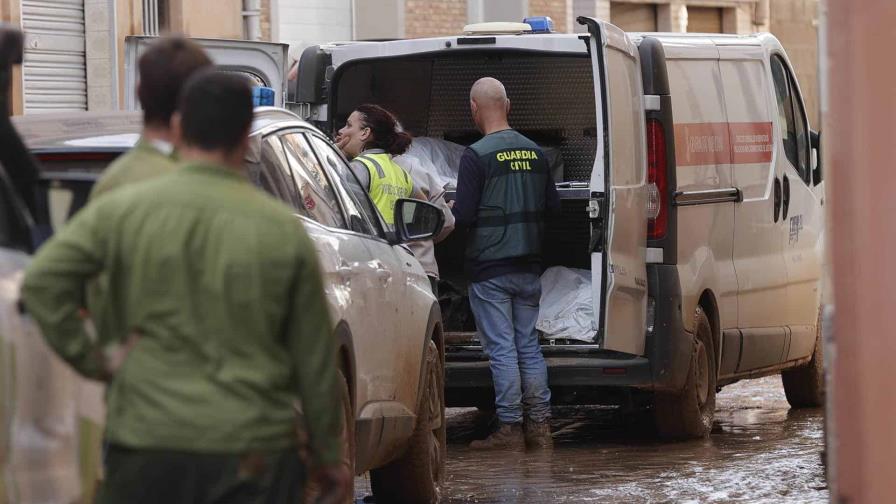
x=55, y=70
x=704, y=20
x=633, y=17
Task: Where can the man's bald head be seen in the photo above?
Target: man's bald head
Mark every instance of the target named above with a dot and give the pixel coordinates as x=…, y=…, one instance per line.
x=489, y=103
x=489, y=91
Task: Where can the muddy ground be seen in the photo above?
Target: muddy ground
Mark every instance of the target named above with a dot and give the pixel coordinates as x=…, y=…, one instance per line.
x=760, y=451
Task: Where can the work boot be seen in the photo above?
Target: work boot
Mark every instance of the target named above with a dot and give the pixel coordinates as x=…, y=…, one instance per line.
x=507, y=437
x=538, y=435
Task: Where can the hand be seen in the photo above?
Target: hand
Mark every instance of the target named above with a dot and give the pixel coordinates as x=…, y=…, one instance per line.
x=116, y=356
x=451, y=204
x=341, y=142
x=334, y=482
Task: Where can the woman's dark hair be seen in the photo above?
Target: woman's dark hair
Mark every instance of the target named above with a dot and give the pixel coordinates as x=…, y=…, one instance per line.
x=384, y=129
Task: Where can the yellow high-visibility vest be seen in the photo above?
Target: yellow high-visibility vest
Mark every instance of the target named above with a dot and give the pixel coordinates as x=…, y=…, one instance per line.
x=388, y=183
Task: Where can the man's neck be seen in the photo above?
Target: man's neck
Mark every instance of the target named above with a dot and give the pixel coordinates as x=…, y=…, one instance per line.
x=157, y=134
x=195, y=155
x=495, y=125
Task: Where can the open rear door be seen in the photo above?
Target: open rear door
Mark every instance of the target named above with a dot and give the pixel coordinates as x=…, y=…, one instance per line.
x=263, y=62
x=618, y=205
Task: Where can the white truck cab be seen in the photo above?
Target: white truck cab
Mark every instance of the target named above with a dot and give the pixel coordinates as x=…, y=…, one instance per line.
x=688, y=192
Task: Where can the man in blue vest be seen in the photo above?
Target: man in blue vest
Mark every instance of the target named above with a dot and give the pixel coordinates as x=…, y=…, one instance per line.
x=504, y=188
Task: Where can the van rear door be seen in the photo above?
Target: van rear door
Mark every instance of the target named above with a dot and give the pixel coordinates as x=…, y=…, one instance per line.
x=618, y=204
x=262, y=62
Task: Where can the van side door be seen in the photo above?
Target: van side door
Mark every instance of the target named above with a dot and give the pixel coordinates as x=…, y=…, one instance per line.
x=802, y=216
x=618, y=192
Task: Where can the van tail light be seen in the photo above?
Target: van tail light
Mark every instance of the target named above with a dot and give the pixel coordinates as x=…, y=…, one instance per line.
x=657, y=181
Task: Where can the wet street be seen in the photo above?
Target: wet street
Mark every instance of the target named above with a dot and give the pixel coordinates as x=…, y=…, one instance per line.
x=760, y=451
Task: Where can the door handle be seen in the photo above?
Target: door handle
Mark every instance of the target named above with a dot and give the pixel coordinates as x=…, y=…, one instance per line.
x=777, y=200
x=382, y=272
x=786, y=197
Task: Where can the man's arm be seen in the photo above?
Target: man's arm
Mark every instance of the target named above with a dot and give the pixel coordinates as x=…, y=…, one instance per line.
x=470, y=180
x=310, y=340
x=53, y=289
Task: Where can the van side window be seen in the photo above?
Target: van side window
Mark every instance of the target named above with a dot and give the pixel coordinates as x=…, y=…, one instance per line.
x=791, y=118
x=318, y=197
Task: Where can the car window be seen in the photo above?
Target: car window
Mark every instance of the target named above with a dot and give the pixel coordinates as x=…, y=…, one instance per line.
x=272, y=175
x=363, y=216
x=791, y=118
x=318, y=196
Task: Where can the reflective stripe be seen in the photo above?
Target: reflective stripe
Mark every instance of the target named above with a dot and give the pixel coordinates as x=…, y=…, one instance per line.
x=376, y=164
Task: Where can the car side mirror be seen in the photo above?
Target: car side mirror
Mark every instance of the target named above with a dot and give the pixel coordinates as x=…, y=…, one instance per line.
x=417, y=220
x=815, y=143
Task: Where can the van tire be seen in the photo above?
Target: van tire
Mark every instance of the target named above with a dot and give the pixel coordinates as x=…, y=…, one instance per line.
x=688, y=414
x=804, y=385
x=417, y=476
x=312, y=491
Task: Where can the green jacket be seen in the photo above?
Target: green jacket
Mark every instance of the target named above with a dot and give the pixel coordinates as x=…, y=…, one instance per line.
x=222, y=284
x=143, y=162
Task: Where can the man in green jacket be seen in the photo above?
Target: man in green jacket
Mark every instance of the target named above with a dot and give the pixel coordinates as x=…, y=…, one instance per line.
x=217, y=290
x=164, y=68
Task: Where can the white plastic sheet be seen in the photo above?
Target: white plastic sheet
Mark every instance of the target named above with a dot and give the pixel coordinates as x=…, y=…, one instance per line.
x=436, y=156
x=566, y=309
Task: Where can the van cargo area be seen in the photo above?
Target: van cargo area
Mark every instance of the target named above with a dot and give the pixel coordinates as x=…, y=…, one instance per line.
x=430, y=95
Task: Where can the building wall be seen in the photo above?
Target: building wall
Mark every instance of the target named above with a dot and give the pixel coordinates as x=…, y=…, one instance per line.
x=795, y=23
x=558, y=10
x=425, y=18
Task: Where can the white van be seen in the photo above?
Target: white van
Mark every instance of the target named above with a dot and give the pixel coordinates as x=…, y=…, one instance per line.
x=688, y=191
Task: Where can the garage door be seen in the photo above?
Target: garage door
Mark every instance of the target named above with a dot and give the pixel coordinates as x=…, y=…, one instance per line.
x=704, y=20
x=55, y=72
x=633, y=17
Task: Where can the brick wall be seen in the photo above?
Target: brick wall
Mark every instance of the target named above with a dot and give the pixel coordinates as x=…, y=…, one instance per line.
x=559, y=10
x=794, y=23
x=432, y=18
x=266, y=20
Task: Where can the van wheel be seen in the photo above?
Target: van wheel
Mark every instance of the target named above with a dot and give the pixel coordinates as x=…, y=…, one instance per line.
x=688, y=414
x=804, y=386
x=418, y=475
x=312, y=490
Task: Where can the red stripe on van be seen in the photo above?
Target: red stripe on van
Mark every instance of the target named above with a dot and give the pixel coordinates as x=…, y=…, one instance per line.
x=698, y=144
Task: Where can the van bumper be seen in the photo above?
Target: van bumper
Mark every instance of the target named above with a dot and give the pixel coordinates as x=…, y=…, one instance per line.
x=579, y=375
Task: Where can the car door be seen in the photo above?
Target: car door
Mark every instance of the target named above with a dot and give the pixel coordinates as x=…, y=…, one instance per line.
x=264, y=63
x=402, y=285
x=802, y=217
x=39, y=405
x=618, y=193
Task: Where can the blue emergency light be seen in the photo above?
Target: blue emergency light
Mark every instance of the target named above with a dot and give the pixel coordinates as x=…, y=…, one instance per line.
x=262, y=96
x=540, y=24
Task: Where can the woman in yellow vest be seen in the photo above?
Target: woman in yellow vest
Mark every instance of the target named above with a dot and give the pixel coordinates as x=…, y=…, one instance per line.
x=370, y=138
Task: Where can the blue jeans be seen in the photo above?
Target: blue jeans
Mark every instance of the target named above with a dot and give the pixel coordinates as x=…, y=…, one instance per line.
x=506, y=309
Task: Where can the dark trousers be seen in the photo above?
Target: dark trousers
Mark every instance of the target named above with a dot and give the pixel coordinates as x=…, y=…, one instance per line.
x=139, y=476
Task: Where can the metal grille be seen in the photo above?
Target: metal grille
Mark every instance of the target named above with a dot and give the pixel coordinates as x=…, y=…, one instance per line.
x=55, y=73
x=552, y=102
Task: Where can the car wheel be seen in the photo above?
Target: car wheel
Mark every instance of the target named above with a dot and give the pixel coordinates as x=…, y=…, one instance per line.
x=804, y=386
x=418, y=475
x=688, y=414
x=312, y=490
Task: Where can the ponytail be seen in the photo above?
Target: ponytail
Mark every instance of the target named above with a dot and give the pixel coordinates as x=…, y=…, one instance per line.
x=385, y=131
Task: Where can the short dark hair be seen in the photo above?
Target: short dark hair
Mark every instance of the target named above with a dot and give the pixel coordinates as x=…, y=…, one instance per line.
x=164, y=69
x=216, y=110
